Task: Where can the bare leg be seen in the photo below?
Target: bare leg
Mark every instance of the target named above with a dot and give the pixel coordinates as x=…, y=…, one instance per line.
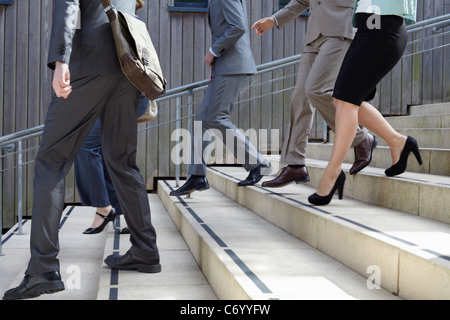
x=373, y=120
x=347, y=118
x=346, y=125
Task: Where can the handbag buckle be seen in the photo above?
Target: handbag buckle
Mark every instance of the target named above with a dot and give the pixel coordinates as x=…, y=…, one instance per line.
x=110, y=7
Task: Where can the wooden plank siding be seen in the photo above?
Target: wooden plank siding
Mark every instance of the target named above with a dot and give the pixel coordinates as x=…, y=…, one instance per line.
x=181, y=40
x=419, y=78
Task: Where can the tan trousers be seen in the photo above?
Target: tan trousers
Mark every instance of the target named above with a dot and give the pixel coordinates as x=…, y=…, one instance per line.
x=318, y=69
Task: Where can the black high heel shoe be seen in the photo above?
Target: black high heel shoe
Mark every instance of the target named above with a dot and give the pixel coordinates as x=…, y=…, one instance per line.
x=111, y=217
x=400, y=167
x=324, y=200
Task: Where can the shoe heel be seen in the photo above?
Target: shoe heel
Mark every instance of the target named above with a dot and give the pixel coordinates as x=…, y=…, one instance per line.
x=341, y=192
x=151, y=268
x=302, y=180
x=341, y=186
x=416, y=153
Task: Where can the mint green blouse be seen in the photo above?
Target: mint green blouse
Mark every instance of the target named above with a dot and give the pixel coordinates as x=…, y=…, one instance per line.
x=407, y=8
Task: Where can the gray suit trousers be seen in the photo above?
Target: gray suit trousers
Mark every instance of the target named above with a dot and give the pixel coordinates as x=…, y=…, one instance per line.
x=114, y=100
x=214, y=114
x=318, y=69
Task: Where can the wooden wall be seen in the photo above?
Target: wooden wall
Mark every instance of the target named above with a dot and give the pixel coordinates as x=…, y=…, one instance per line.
x=25, y=87
x=419, y=78
x=181, y=40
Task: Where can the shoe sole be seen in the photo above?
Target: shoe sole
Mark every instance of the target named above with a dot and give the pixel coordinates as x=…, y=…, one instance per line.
x=37, y=290
x=145, y=268
x=187, y=192
x=297, y=181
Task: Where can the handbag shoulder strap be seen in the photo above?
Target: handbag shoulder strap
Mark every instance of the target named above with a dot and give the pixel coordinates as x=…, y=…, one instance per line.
x=107, y=5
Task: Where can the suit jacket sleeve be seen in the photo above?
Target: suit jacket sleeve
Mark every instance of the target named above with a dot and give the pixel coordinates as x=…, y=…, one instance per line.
x=291, y=11
x=65, y=19
x=234, y=15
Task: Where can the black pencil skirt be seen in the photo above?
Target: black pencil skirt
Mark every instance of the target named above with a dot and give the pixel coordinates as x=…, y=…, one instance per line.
x=372, y=54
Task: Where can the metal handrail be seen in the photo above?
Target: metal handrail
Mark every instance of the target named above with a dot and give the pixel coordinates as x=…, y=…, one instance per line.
x=437, y=23
x=9, y=141
x=170, y=94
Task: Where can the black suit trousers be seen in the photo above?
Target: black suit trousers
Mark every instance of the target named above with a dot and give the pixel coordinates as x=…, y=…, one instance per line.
x=114, y=100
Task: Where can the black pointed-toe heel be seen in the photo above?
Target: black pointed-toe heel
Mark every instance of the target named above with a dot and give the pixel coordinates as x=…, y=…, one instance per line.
x=111, y=217
x=324, y=200
x=400, y=167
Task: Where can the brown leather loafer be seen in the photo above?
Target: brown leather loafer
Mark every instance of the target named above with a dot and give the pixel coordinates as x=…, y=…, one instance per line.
x=288, y=175
x=363, y=154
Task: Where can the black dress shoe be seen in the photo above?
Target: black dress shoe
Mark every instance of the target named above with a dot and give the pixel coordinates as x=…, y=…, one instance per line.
x=34, y=286
x=324, y=200
x=127, y=262
x=194, y=183
x=254, y=176
x=111, y=217
x=400, y=167
x=125, y=230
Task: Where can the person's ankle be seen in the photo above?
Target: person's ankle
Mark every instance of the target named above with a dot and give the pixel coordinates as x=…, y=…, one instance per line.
x=104, y=210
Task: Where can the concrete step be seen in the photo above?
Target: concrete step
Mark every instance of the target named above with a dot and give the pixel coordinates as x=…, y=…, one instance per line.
x=245, y=257
x=80, y=257
x=436, y=108
x=180, y=278
x=411, y=252
x=85, y=275
x=420, y=121
x=428, y=124
x=435, y=161
x=428, y=138
x=415, y=193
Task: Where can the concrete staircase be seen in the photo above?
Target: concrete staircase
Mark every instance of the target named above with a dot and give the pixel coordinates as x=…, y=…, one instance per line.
x=259, y=243
x=85, y=275
x=389, y=238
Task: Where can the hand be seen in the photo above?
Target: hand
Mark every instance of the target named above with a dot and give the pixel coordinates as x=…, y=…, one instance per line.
x=209, y=59
x=61, y=80
x=264, y=25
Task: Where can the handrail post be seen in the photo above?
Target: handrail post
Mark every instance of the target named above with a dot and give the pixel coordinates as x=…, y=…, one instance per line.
x=190, y=110
x=1, y=201
x=19, y=185
x=178, y=128
x=190, y=118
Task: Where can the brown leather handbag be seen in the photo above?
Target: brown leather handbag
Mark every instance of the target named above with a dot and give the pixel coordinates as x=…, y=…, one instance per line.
x=150, y=113
x=137, y=55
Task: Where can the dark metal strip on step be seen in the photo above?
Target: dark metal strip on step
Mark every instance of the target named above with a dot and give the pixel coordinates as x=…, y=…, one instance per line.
x=12, y=233
x=114, y=278
x=247, y=271
x=437, y=254
x=65, y=217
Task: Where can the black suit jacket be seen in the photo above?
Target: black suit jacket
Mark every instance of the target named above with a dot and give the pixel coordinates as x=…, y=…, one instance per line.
x=91, y=49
